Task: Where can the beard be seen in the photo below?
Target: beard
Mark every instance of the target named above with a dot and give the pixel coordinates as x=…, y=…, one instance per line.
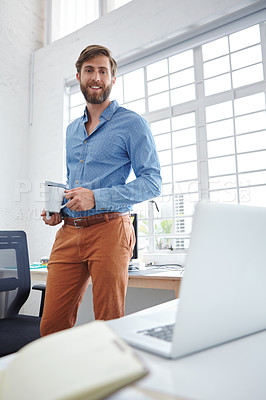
x=95, y=98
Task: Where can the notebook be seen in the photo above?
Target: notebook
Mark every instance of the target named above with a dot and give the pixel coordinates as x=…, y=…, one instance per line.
x=223, y=290
x=86, y=362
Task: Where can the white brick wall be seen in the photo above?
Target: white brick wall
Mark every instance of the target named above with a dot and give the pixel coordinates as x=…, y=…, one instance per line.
x=21, y=33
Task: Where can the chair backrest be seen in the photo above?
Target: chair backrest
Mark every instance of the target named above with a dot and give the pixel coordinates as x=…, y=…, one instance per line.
x=15, y=281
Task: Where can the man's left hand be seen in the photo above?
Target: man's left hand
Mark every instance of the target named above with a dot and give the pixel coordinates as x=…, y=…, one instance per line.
x=80, y=199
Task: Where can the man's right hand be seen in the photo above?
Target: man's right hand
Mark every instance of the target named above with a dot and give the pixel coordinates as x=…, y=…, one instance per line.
x=54, y=220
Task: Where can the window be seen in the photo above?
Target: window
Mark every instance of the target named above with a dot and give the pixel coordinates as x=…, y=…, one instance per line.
x=67, y=16
x=206, y=109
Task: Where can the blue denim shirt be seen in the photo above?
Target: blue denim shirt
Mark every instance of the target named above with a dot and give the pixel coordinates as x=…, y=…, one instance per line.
x=103, y=160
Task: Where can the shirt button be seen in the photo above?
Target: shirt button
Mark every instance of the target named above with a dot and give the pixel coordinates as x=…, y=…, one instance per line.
x=77, y=181
x=81, y=161
x=85, y=141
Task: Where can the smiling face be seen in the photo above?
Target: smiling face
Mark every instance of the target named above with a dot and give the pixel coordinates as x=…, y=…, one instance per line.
x=96, y=80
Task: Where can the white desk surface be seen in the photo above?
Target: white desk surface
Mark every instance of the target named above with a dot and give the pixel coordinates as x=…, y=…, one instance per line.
x=167, y=272
x=233, y=371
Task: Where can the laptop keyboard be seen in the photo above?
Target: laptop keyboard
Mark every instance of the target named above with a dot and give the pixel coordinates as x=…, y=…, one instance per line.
x=164, y=332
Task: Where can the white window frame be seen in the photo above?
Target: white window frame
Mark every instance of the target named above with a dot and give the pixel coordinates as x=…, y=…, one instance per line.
x=52, y=14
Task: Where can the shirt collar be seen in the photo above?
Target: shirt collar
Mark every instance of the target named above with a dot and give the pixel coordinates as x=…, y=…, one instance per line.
x=106, y=114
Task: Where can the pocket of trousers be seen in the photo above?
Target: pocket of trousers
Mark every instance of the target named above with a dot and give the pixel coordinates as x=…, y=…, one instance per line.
x=129, y=234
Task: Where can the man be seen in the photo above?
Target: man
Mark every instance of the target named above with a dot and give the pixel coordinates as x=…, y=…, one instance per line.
x=97, y=237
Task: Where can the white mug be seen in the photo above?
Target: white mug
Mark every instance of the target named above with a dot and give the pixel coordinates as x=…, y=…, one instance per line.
x=54, y=195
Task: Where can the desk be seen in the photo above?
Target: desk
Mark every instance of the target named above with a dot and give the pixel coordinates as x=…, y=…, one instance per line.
x=149, y=279
x=232, y=371
x=160, y=279
x=146, y=288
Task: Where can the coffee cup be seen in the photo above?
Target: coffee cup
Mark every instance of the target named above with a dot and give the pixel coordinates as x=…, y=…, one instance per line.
x=54, y=196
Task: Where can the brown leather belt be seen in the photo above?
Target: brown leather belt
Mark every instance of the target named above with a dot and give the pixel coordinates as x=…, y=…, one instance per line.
x=84, y=222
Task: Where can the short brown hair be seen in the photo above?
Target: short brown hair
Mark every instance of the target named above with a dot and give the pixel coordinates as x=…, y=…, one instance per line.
x=93, y=51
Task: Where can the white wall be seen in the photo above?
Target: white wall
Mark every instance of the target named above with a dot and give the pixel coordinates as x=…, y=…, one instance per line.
x=133, y=29
x=21, y=33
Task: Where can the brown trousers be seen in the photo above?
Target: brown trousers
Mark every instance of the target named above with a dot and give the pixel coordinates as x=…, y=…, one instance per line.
x=100, y=251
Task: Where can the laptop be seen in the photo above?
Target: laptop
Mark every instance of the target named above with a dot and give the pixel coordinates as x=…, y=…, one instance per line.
x=223, y=290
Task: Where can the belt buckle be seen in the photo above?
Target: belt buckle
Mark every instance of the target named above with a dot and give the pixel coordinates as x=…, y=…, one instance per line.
x=75, y=223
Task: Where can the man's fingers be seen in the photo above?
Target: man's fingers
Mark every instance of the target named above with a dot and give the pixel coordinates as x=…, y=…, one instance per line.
x=54, y=220
x=70, y=203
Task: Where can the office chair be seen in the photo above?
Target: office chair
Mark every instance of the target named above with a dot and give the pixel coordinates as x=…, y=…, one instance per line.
x=16, y=330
